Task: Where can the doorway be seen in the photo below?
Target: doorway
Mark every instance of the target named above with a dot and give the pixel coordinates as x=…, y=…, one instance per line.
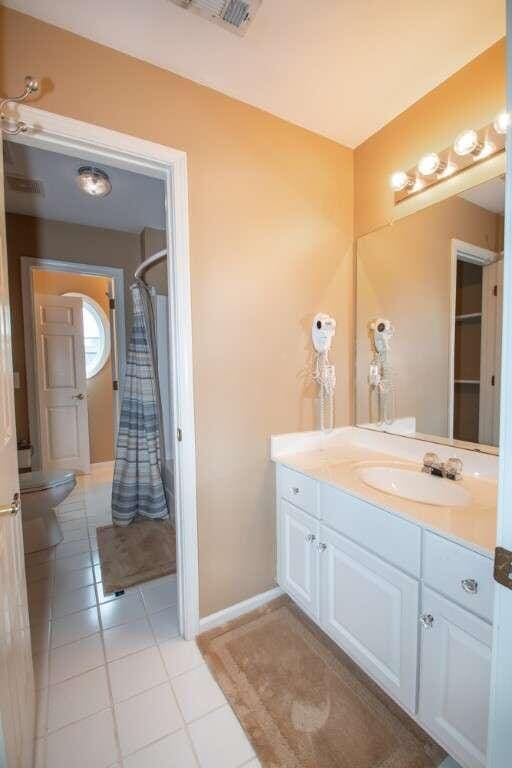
x=475, y=343
x=101, y=291
x=101, y=146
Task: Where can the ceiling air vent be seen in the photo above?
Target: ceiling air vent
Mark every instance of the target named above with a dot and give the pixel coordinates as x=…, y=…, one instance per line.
x=22, y=184
x=235, y=15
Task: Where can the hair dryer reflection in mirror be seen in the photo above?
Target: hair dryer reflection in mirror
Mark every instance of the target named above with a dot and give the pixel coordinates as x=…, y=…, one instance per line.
x=380, y=376
x=322, y=333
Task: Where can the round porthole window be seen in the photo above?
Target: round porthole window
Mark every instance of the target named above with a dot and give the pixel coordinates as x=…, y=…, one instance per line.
x=96, y=335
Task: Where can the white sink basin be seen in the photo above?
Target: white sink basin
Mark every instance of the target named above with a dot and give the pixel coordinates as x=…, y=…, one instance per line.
x=416, y=486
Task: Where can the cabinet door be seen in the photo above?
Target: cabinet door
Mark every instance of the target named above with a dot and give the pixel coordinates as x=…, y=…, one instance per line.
x=370, y=609
x=455, y=678
x=298, y=556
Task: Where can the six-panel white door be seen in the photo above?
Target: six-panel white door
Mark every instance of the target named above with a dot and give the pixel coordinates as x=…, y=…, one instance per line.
x=61, y=382
x=455, y=678
x=370, y=609
x=298, y=570
x=17, y=697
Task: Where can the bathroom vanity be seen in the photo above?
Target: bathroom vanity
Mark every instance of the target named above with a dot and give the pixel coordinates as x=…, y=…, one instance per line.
x=403, y=586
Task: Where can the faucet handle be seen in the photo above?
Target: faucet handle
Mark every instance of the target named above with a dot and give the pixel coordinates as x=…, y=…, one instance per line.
x=453, y=467
x=430, y=459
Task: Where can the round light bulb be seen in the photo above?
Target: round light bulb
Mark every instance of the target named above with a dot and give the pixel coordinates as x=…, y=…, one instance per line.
x=399, y=181
x=466, y=142
x=502, y=122
x=430, y=164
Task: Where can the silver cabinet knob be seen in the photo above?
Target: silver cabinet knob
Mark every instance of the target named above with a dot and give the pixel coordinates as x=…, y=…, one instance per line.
x=310, y=538
x=80, y=396
x=470, y=586
x=13, y=508
x=322, y=547
x=427, y=620
x=295, y=490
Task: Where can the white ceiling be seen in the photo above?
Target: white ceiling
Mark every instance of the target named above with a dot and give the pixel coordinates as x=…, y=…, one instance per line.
x=489, y=195
x=341, y=68
x=135, y=202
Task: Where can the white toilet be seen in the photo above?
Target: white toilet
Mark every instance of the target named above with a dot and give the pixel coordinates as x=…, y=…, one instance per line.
x=40, y=493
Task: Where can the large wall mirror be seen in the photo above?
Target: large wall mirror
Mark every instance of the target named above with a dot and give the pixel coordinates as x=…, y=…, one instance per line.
x=429, y=307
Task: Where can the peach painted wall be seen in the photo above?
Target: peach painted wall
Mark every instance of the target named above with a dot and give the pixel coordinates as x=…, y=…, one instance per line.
x=271, y=217
x=470, y=98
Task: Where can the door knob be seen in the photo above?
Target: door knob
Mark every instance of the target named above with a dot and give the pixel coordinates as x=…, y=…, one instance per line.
x=13, y=508
x=80, y=396
x=427, y=620
x=470, y=585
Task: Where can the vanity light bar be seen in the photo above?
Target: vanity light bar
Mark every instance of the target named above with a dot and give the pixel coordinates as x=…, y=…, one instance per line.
x=469, y=147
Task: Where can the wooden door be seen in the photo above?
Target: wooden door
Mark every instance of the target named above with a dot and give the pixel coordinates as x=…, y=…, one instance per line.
x=17, y=698
x=61, y=382
x=370, y=608
x=455, y=678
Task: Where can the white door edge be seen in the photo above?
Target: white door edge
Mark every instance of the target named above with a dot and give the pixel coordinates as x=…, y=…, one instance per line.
x=500, y=711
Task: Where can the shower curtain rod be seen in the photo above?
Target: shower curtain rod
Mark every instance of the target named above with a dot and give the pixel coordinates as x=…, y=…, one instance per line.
x=149, y=261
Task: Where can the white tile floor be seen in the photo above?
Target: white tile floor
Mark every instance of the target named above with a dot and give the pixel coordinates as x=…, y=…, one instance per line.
x=116, y=684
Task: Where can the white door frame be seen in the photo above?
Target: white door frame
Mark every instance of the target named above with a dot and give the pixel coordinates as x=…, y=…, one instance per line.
x=498, y=753
x=474, y=254
x=91, y=142
x=29, y=265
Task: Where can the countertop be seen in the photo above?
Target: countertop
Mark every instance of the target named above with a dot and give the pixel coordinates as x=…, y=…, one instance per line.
x=473, y=526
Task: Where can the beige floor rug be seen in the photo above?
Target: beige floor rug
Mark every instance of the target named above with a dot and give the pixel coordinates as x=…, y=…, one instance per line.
x=139, y=552
x=303, y=703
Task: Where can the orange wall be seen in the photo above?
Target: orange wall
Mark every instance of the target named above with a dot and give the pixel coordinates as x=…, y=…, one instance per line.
x=470, y=98
x=271, y=217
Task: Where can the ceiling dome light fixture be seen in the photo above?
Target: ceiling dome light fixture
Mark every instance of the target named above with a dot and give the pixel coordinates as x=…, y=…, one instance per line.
x=467, y=143
x=430, y=164
x=502, y=122
x=94, y=181
x=400, y=180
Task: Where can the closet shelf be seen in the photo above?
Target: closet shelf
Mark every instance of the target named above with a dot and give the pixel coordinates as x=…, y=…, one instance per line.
x=469, y=316
x=467, y=381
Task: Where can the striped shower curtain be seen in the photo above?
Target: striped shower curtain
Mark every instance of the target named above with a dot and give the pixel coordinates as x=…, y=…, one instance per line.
x=138, y=489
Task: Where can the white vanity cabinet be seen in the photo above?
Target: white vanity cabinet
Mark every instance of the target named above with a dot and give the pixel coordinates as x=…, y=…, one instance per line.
x=412, y=608
x=455, y=671
x=370, y=609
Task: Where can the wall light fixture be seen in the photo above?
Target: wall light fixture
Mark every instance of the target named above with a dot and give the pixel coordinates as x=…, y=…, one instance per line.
x=469, y=147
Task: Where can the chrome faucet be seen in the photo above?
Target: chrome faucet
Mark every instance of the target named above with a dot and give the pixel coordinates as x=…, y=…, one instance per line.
x=451, y=469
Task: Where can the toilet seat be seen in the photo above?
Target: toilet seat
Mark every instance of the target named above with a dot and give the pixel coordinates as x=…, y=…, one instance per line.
x=40, y=481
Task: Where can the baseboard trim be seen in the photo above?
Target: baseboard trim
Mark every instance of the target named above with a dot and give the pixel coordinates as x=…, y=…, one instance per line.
x=234, y=611
x=99, y=464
